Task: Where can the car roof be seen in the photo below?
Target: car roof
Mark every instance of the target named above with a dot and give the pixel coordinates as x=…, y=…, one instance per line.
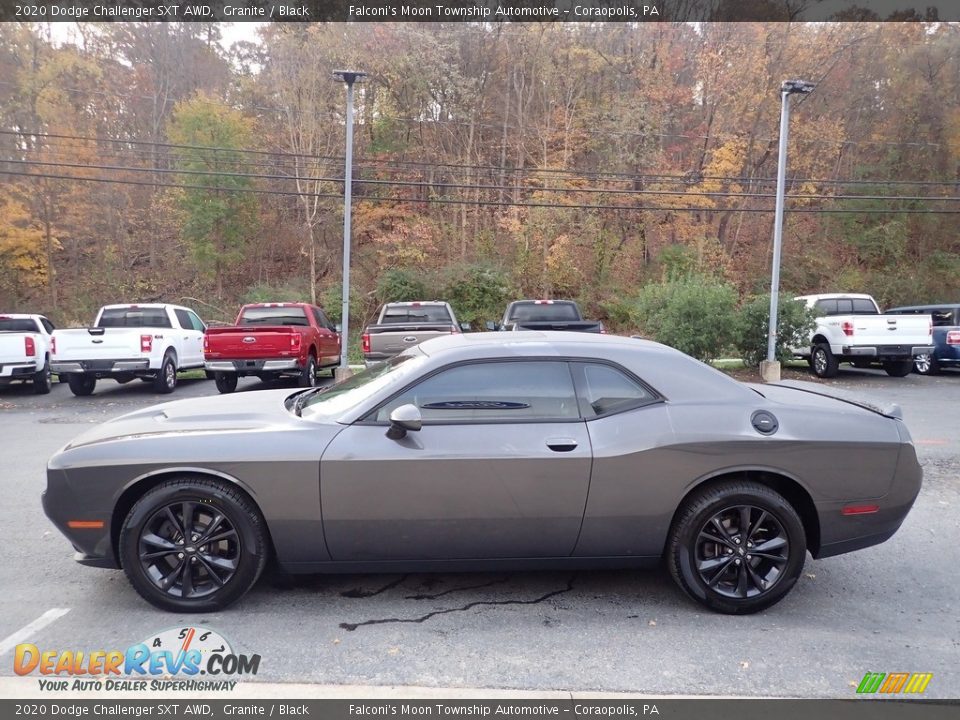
x=835, y=296
x=936, y=306
x=415, y=303
x=534, y=342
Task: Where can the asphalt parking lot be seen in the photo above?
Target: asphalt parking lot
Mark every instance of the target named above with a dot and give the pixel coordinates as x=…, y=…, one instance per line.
x=890, y=608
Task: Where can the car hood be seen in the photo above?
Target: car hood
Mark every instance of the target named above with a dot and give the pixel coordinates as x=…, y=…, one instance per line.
x=222, y=413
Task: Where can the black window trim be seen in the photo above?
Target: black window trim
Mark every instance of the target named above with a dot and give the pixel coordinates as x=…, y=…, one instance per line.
x=579, y=379
x=570, y=362
x=506, y=421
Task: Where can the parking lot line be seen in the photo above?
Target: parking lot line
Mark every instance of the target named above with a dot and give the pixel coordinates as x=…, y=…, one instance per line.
x=12, y=640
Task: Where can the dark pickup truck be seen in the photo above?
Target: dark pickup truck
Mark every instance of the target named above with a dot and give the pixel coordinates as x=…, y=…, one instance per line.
x=547, y=315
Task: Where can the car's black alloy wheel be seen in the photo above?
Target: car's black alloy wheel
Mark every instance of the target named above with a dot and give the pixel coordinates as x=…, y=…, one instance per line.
x=193, y=545
x=737, y=548
x=166, y=380
x=823, y=362
x=926, y=364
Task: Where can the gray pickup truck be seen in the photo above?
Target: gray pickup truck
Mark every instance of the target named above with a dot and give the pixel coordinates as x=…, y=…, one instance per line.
x=404, y=324
x=547, y=315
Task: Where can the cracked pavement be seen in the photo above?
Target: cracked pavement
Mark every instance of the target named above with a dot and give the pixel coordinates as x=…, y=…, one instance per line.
x=884, y=609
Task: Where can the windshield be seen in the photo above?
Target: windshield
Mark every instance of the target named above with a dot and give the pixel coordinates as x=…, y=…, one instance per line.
x=274, y=316
x=339, y=398
x=543, y=312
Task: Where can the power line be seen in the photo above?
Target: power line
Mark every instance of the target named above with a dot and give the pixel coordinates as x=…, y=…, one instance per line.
x=462, y=186
x=379, y=198
x=626, y=177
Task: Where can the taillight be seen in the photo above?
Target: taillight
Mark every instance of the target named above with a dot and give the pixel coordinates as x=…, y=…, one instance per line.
x=366, y=342
x=53, y=346
x=953, y=337
x=295, y=342
x=146, y=343
x=30, y=346
x=206, y=344
x=848, y=328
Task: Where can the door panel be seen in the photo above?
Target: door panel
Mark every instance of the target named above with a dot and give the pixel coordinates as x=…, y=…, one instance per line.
x=455, y=491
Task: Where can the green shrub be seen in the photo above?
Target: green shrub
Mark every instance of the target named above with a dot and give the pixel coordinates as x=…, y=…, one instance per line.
x=696, y=315
x=284, y=292
x=477, y=293
x=399, y=285
x=795, y=321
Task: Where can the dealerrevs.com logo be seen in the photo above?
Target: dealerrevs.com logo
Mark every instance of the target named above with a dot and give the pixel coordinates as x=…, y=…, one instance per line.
x=189, y=658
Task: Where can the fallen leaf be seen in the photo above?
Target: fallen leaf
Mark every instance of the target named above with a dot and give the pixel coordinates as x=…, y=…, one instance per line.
x=393, y=651
x=809, y=575
x=336, y=641
x=652, y=623
x=744, y=664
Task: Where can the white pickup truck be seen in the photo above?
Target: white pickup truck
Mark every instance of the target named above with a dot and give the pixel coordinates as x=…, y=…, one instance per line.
x=152, y=342
x=851, y=329
x=25, y=350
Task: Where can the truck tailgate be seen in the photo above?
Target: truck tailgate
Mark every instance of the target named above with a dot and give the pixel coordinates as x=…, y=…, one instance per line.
x=883, y=330
x=264, y=341
x=394, y=338
x=12, y=347
x=99, y=343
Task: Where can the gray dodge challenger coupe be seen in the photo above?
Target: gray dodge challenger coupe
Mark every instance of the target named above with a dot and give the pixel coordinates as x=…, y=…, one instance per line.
x=489, y=451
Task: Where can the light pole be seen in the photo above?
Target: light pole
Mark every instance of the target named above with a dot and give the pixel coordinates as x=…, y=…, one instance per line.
x=348, y=78
x=770, y=370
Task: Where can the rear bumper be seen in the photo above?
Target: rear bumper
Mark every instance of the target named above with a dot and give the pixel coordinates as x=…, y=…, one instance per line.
x=100, y=367
x=17, y=370
x=253, y=366
x=885, y=351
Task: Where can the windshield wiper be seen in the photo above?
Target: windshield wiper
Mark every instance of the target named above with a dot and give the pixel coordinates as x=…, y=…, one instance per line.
x=306, y=395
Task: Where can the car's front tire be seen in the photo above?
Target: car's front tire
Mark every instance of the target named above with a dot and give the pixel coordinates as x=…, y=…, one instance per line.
x=737, y=547
x=193, y=545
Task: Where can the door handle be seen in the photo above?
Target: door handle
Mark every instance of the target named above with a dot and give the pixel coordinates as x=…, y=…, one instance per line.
x=561, y=444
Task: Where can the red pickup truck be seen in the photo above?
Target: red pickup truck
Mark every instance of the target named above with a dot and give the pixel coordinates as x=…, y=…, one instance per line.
x=270, y=340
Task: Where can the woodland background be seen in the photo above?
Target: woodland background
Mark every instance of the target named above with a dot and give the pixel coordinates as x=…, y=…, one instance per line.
x=146, y=162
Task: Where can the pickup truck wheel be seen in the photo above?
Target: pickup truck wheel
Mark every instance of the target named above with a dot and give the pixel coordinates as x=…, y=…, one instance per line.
x=193, y=545
x=226, y=382
x=166, y=379
x=43, y=380
x=926, y=364
x=210, y=374
x=308, y=378
x=823, y=362
x=81, y=385
x=737, y=547
x=898, y=368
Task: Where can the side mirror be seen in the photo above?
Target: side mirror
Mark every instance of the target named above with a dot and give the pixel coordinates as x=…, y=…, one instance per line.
x=492, y=326
x=403, y=419
x=337, y=327
x=464, y=327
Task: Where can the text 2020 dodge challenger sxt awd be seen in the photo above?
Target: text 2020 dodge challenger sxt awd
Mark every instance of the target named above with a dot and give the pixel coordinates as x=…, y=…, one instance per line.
x=489, y=451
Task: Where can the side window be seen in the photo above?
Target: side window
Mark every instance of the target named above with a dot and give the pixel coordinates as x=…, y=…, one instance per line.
x=942, y=317
x=183, y=319
x=826, y=307
x=492, y=392
x=47, y=325
x=606, y=390
x=321, y=318
x=195, y=321
x=862, y=306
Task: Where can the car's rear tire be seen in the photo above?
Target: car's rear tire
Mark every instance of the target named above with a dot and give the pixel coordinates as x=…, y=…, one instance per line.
x=226, y=382
x=166, y=380
x=898, y=368
x=81, y=385
x=308, y=378
x=737, y=547
x=209, y=374
x=926, y=364
x=861, y=364
x=43, y=379
x=193, y=545
x=823, y=362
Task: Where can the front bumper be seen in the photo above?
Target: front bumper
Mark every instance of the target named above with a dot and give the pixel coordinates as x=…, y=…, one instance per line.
x=252, y=366
x=92, y=546
x=100, y=367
